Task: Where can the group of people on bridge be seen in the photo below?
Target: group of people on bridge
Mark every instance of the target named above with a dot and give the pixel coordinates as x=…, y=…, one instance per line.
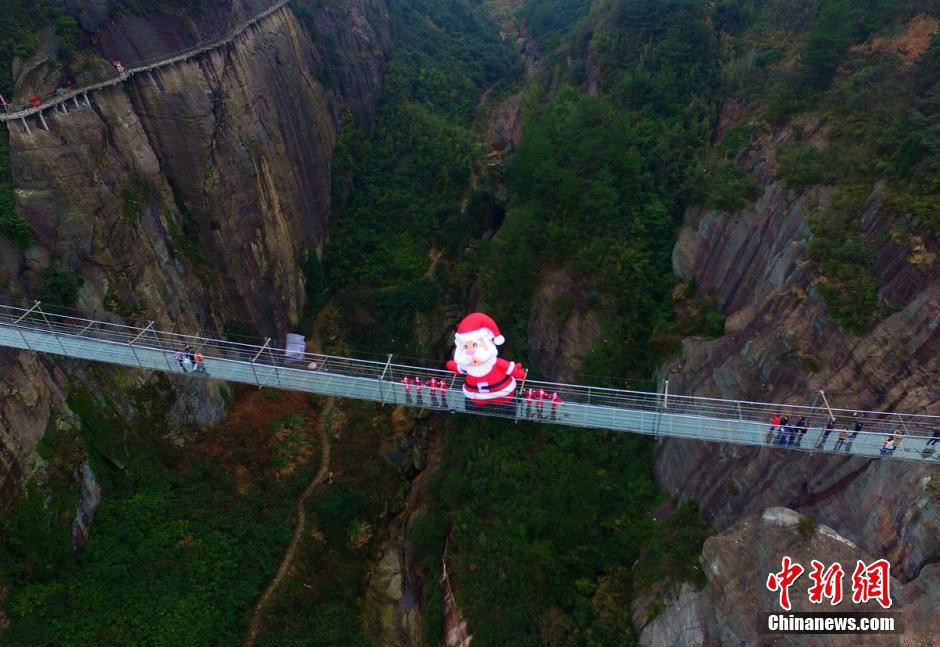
x=435, y=388
x=535, y=399
x=783, y=433
x=539, y=397
x=192, y=361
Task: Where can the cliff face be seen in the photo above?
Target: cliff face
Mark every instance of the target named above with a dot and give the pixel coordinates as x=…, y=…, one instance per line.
x=561, y=328
x=727, y=610
x=780, y=344
x=189, y=196
x=352, y=38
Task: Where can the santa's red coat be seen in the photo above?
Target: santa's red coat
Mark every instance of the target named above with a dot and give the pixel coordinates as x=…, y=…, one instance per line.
x=496, y=387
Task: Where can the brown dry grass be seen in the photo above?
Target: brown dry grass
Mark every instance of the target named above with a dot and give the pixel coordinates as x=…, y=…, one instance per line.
x=247, y=440
x=910, y=45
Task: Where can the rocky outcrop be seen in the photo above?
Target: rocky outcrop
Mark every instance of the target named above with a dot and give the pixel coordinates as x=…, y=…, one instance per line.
x=778, y=333
x=561, y=327
x=28, y=396
x=389, y=607
x=91, y=14
x=781, y=345
x=353, y=40
x=89, y=498
x=169, y=188
x=37, y=74
x=737, y=562
x=456, y=630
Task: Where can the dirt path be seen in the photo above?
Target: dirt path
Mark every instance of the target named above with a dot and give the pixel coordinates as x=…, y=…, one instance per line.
x=258, y=611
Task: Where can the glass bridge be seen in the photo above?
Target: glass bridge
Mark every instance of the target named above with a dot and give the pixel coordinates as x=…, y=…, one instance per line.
x=660, y=414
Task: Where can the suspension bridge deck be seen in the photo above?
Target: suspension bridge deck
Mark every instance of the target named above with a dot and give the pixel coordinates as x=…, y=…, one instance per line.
x=659, y=414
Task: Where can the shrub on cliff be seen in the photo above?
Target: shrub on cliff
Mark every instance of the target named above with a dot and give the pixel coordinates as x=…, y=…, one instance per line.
x=60, y=288
x=11, y=225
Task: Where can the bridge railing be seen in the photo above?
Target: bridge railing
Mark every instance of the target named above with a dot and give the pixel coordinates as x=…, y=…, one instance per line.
x=602, y=407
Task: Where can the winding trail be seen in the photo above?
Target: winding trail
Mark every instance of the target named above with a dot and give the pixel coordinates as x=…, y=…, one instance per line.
x=258, y=612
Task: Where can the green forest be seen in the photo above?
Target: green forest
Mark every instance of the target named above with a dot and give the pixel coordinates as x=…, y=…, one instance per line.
x=551, y=533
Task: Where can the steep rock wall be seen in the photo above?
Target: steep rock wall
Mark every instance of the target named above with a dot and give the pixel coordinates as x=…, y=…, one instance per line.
x=780, y=344
x=353, y=40
x=725, y=613
x=189, y=196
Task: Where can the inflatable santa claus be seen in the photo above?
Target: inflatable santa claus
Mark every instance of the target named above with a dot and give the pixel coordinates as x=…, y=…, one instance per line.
x=490, y=380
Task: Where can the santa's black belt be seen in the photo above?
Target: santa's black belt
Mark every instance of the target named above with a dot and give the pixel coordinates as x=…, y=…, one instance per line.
x=490, y=387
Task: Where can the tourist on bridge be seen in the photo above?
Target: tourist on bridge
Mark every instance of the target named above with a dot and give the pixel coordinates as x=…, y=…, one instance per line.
x=852, y=436
x=784, y=431
x=830, y=424
x=3, y=104
x=555, y=402
x=432, y=389
x=890, y=444
x=799, y=431
x=198, y=360
x=929, y=446
x=184, y=362
x=539, y=401
x=774, y=422
x=935, y=438
x=34, y=101
x=418, y=384
x=843, y=439
x=406, y=383
x=528, y=401
x=442, y=387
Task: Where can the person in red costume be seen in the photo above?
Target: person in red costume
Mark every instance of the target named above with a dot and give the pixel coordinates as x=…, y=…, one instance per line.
x=489, y=379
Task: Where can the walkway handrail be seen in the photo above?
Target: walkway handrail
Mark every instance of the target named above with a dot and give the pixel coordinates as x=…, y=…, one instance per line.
x=143, y=66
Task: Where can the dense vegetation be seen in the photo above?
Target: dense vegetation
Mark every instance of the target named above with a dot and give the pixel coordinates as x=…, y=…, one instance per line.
x=182, y=544
x=880, y=118
x=548, y=20
x=551, y=532
x=397, y=190
x=176, y=556
x=322, y=603
x=599, y=184
x=11, y=225
x=20, y=21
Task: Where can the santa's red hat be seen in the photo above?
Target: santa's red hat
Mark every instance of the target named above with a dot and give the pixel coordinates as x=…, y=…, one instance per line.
x=475, y=324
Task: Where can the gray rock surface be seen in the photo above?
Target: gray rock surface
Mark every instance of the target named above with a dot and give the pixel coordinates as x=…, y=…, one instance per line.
x=737, y=563
x=155, y=198
x=88, y=502
x=561, y=328
x=781, y=345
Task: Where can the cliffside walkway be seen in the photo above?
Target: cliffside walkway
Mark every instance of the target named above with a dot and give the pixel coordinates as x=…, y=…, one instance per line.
x=659, y=414
x=61, y=99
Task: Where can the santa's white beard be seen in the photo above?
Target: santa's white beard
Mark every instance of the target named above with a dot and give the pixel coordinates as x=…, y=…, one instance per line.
x=480, y=369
